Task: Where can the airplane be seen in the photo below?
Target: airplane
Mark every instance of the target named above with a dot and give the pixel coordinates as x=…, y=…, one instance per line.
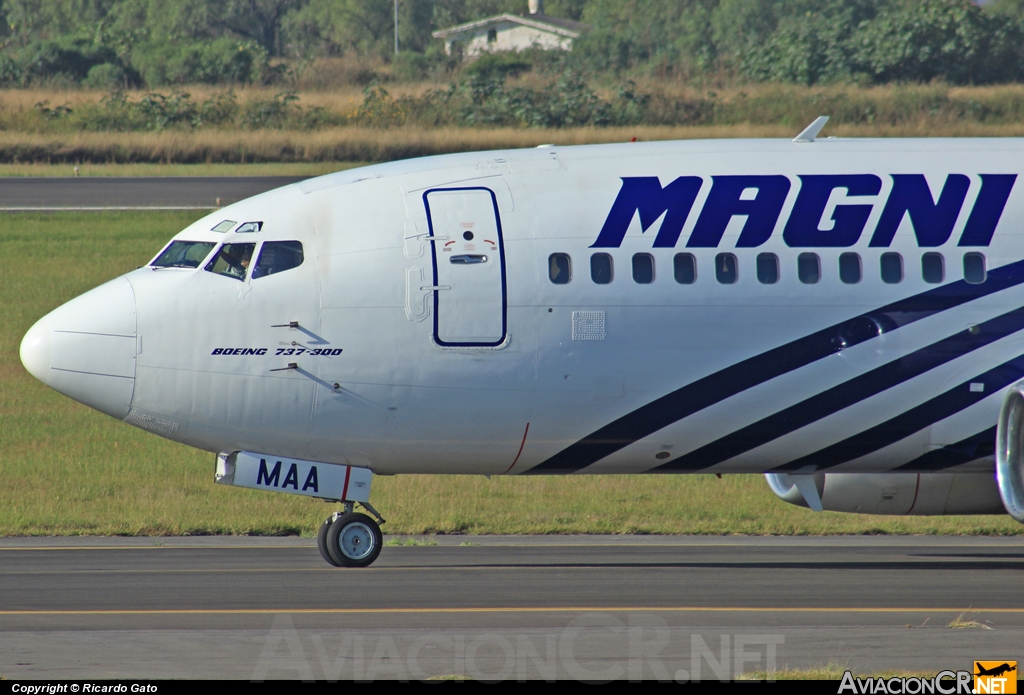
x=996, y=670
x=845, y=316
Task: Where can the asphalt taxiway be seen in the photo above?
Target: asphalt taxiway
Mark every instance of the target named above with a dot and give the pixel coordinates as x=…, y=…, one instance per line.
x=505, y=607
x=133, y=193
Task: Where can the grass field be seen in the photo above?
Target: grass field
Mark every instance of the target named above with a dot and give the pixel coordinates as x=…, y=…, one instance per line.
x=38, y=169
x=69, y=470
x=352, y=144
x=685, y=111
x=331, y=144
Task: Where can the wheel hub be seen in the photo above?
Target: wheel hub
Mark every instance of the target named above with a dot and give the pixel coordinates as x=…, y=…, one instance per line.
x=356, y=541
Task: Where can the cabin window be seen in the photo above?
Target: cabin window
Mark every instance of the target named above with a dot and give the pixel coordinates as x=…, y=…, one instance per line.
x=643, y=268
x=974, y=268
x=601, y=268
x=808, y=268
x=277, y=256
x=559, y=268
x=933, y=268
x=849, y=268
x=892, y=268
x=224, y=226
x=725, y=268
x=492, y=35
x=685, y=267
x=767, y=268
x=232, y=260
x=183, y=254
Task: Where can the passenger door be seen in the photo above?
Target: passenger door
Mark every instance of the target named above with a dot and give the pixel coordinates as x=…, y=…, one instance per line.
x=469, y=267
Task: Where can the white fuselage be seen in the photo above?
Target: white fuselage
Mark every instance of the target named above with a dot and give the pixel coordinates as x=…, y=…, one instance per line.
x=421, y=349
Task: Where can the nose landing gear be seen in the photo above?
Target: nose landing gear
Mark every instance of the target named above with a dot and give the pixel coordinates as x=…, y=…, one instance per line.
x=350, y=539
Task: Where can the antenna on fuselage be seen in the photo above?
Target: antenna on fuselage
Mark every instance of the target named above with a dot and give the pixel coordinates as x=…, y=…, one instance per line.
x=810, y=132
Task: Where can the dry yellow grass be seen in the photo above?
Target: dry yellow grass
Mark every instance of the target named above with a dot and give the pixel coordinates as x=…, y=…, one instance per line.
x=339, y=97
x=697, y=111
x=336, y=144
x=344, y=96
x=377, y=145
x=966, y=621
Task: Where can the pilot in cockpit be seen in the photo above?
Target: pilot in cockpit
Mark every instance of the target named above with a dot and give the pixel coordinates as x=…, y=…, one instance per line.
x=232, y=260
x=246, y=257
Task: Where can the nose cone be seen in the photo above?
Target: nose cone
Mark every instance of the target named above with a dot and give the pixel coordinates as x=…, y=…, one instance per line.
x=86, y=348
x=35, y=350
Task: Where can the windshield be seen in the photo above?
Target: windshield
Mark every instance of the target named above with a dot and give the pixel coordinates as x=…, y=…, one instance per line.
x=183, y=254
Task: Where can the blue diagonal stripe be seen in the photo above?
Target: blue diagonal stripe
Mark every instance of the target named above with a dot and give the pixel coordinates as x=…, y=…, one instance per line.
x=848, y=393
x=751, y=372
x=976, y=446
x=944, y=405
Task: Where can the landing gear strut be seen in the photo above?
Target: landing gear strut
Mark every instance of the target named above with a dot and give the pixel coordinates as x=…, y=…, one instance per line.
x=350, y=539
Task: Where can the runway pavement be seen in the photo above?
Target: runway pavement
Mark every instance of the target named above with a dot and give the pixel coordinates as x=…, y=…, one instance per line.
x=176, y=192
x=593, y=608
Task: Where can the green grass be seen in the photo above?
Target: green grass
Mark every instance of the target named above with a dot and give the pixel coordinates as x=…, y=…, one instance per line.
x=831, y=671
x=115, y=169
x=409, y=542
x=69, y=470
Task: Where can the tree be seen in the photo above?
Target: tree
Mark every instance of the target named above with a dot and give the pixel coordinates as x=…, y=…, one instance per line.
x=675, y=33
x=924, y=40
x=360, y=26
x=53, y=19
x=259, y=20
x=810, y=42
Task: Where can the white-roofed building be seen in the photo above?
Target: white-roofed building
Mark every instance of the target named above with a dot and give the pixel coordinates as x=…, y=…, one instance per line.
x=510, y=32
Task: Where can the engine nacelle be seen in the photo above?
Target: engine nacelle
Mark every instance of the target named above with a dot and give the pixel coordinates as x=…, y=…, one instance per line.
x=918, y=494
x=1010, y=452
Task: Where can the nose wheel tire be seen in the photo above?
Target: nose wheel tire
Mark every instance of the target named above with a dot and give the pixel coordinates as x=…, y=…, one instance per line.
x=321, y=541
x=353, y=540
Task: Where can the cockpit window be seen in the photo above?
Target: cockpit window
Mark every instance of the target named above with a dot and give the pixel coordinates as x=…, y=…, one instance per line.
x=224, y=226
x=183, y=254
x=277, y=256
x=232, y=260
x=249, y=228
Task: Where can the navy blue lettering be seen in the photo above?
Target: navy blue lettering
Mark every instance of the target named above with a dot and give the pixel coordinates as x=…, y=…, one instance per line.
x=261, y=351
x=848, y=220
x=988, y=208
x=271, y=478
x=933, y=221
x=725, y=200
x=292, y=478
x=311, y=481
x=216, y=351
x=644, y=195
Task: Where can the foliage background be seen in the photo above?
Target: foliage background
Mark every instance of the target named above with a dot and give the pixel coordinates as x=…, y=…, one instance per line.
x=153, y=43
